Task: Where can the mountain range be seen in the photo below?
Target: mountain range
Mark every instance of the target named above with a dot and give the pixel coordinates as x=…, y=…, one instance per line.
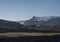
x=13, y=26
x=48, y=20
x=35, y=24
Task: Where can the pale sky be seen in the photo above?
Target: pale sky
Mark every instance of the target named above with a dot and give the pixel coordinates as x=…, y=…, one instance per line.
x=16, y=10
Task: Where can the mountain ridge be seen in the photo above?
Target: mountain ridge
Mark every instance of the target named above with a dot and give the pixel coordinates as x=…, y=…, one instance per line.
x=49, y=20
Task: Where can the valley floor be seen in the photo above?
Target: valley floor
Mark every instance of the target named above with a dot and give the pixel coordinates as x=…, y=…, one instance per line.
x=19, y=34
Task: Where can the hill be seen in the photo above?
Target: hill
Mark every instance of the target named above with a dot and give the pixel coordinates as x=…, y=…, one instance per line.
x=6, y=25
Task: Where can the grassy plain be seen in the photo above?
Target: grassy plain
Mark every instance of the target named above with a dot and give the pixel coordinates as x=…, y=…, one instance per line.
x=18, y=34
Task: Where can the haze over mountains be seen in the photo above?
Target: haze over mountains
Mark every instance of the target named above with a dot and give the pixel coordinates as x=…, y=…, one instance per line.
x=35, y=24
x=13, y=26
x=49, y=20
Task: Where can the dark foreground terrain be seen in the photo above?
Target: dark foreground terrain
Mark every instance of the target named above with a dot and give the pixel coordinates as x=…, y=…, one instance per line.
x=31, y=39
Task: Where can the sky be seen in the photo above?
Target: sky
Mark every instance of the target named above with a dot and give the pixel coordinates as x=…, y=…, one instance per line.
x=16, y=10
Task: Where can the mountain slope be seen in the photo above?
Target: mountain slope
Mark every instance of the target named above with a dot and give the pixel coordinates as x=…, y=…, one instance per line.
x=9, y=24
x=53, y=20
x=6, y=26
